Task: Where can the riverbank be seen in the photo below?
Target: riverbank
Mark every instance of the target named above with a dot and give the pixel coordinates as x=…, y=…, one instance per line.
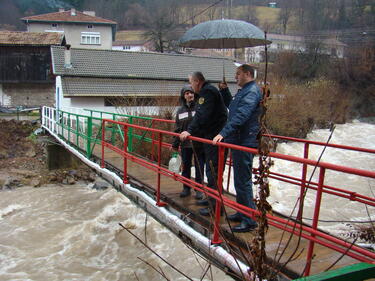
x=69, y=230
x=23, y=158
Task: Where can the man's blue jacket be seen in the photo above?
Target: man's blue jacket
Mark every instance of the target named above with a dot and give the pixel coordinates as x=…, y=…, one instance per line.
x=243, y=123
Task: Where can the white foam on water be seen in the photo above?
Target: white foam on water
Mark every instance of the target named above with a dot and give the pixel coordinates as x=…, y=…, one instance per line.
x=284, y=196
x=72, y=233
x=9, y=210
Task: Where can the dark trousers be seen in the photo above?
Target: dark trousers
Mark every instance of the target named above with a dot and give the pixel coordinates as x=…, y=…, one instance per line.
x=211, y=153
x=187, y=155
x=242, y=171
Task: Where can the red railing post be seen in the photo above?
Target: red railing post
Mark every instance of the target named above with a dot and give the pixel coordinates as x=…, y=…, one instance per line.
x=152, y=141
x=125, y=179
x=229, y=169
x=303, y=182
x=315, y=221
x=103, y=141
x=158, y=202
x=216, y=239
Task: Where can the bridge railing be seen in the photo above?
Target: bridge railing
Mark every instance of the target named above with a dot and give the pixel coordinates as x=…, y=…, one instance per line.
x=313, y=234
x=58, y=122
x=157, y=123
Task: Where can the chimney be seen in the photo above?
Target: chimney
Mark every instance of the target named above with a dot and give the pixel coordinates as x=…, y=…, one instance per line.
x=67, y=57
x=89, y=13
x=61, y=10
x=73, y=12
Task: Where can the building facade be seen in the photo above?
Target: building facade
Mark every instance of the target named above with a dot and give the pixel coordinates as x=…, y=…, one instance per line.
x=26, y=77
x=105, y=80
x=280, y=43
x=81, y=29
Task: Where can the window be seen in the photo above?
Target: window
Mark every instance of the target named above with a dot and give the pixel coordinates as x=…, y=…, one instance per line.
x=54, y=25
x=90, y=26
x=90, y=38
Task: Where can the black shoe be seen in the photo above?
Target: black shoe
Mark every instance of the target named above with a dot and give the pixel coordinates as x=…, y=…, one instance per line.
x=185, y=192
x=236, y=217
x=207, y=211
x=244, y=227
x=203, y=202
x=204, y=212
x=198, y=195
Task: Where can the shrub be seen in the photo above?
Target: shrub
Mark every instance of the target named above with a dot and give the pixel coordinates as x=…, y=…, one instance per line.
x=294, y=109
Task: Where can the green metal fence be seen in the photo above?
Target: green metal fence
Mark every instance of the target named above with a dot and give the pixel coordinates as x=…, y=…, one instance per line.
x=84, y=131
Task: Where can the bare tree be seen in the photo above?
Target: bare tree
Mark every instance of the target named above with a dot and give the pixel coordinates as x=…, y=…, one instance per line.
x=251, y=13
x=211, y=13
x=162, y=24
x=136, y=16
x=284, y=16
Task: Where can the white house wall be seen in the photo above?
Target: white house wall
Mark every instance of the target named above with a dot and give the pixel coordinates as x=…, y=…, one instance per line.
x=128, y=48
x=5, y=100
x=72, y=33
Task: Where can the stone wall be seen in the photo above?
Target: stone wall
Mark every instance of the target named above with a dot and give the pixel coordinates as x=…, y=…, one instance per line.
x=22, y=94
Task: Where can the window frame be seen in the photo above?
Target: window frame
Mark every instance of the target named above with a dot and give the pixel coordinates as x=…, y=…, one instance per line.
x=90, y=38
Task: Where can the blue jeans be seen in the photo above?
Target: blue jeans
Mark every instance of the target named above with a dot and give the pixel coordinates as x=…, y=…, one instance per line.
x=242, y=171
x=187, y=155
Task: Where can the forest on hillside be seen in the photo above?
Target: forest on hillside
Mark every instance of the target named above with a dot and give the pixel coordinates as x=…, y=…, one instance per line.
x=289, y=16
x=349, y=83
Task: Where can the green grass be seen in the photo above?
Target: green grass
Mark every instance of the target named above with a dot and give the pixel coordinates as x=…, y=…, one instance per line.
x=265, y=14
x=129, y=35
x=267, y=17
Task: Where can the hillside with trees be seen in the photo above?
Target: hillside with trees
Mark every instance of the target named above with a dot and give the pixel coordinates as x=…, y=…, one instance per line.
x=162, y=22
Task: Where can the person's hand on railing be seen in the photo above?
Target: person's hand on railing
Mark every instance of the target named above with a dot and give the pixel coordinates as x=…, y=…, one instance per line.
x=217, y=139
x=184, y=135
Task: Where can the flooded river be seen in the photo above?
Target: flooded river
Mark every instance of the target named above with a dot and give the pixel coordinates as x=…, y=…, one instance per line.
x=72, y=233
x=337, y=215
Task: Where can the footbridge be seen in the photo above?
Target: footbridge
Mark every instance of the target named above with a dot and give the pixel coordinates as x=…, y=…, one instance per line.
x=131, y=152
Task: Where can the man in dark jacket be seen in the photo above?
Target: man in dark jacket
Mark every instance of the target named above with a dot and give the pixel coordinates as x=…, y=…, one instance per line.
x=184, y=116
x=209, y=119
x=242, y=129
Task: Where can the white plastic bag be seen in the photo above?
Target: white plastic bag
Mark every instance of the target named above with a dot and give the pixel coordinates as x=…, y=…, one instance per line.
x=175, y=163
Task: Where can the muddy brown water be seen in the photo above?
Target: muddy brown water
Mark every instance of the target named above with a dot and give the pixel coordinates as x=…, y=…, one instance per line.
x=72, y=233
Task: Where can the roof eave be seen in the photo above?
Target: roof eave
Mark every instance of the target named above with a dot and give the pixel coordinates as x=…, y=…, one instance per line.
x=63, y=75
x=82, y=22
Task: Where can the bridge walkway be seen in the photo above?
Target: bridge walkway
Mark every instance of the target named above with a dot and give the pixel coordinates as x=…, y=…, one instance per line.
x=277, y=242
x=309, y=243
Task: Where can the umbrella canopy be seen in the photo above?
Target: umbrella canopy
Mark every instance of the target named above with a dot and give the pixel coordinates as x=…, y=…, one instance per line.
x=223, y=34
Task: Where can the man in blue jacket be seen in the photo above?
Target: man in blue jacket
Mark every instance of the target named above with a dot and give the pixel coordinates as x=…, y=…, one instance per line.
x=242, y=129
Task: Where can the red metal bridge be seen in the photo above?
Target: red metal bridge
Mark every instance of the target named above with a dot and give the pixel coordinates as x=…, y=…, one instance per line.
x=137, y=149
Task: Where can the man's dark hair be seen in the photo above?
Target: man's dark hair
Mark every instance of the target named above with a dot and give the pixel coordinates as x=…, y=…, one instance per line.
x=198, y=75
x=247, y=68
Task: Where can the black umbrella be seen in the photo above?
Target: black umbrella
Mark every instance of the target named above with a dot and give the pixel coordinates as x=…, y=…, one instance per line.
x=223, y=34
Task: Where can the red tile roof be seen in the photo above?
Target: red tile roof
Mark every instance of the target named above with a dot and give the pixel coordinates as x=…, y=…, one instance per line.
x=21, y=38
x=66, y=16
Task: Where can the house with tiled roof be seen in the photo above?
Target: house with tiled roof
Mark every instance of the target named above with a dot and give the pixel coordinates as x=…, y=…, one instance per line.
x=95, y=78
x=328, y=46
x=25, y=68
x=81, y=29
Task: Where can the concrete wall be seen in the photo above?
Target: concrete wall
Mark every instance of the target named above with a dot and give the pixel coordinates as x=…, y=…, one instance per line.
x=73, y=33
x=21, y=94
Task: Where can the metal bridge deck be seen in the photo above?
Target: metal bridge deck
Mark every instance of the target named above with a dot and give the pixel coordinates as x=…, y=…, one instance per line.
x=277, y=242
